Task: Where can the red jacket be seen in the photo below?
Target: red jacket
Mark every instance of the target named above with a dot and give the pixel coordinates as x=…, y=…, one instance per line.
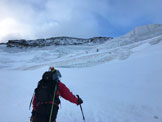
x=63, y=92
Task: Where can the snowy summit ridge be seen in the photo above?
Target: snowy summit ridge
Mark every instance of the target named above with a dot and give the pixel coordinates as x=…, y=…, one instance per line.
x=139, y=34
x=56, y=41
x=144, y=32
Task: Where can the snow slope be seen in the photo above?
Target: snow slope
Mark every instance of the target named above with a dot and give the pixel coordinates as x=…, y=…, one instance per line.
x=79, y=55
x=117, y=84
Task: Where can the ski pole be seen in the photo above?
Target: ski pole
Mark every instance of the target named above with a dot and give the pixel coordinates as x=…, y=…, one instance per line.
x=81, y=109
x=82, y=113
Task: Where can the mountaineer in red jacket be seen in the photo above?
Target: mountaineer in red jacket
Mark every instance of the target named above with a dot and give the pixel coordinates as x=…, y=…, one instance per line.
x=46, y=104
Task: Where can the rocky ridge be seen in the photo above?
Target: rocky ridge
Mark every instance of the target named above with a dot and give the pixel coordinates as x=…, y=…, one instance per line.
x=22, y=43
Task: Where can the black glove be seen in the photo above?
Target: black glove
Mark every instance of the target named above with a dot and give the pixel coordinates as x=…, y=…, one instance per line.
x=80, y=101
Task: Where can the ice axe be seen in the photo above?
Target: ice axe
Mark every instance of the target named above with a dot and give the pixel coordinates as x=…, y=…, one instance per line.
x=81, y=109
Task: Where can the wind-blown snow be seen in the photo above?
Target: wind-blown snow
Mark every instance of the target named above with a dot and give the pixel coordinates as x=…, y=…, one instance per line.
x=117, y=83
x=144, y=32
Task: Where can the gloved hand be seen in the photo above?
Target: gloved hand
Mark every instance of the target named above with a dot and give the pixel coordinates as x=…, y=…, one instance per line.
x=80, y=101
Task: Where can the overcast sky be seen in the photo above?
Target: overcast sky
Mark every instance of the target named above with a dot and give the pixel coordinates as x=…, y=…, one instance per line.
x=31, y=19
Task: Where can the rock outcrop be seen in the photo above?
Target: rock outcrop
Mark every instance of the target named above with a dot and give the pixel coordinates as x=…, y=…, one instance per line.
x=56, y=41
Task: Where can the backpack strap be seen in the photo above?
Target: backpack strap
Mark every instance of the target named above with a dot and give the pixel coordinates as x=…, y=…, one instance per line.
x=31, y=101
x=53, y=100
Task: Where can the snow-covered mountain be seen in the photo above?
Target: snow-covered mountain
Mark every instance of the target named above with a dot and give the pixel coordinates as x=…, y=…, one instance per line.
x=119, y=80
x=77, y=52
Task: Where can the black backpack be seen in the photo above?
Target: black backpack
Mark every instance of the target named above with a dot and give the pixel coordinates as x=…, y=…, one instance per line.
x=46, y=86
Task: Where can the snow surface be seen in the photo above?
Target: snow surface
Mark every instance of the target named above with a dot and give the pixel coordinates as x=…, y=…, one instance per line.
x=118, y=83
